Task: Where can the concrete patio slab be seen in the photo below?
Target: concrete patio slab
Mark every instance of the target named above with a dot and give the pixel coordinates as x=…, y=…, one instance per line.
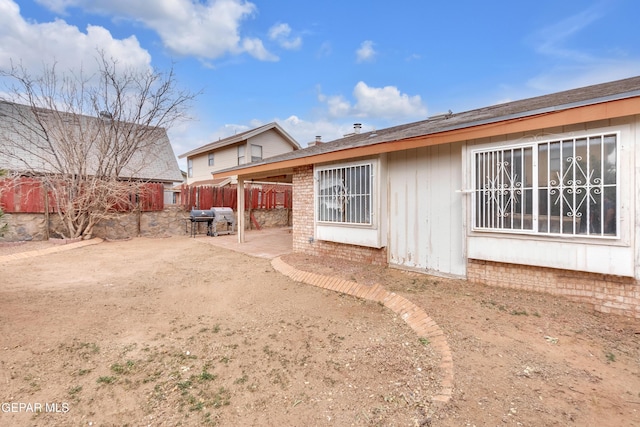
x=267, y=243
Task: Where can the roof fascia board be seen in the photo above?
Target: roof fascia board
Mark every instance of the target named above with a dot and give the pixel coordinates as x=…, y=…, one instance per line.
x=519, y=123
x=214, y=146
x=244, y=136
x=286, y=136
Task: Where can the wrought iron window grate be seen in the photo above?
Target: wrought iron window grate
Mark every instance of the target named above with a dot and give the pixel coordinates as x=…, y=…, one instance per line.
x=344, y=194
x=567, y=186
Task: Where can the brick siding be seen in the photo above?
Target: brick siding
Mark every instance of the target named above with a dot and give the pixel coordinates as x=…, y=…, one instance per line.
x=608, y=294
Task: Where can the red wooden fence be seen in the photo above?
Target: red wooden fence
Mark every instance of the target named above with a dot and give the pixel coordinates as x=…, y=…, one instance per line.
x=27, y=195
x=265, y=196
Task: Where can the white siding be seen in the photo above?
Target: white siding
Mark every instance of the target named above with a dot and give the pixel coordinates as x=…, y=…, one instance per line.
x=226, y=157
x=271, y=142
x=426, y=230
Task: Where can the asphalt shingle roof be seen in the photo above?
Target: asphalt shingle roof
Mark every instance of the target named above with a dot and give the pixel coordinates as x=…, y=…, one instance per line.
x=156, y=162
x=528, y=107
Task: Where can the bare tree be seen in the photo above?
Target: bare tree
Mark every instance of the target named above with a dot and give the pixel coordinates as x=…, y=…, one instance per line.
x=88, y=138
x=3, y=226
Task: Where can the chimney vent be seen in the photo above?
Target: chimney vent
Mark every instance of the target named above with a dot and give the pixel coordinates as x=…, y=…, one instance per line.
x=357, y=127
x=316, y=142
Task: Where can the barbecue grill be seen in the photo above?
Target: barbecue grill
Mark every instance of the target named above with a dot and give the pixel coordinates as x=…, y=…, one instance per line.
x=212, y=217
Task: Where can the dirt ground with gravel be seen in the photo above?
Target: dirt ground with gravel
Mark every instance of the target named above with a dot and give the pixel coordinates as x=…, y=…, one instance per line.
x=170, y=332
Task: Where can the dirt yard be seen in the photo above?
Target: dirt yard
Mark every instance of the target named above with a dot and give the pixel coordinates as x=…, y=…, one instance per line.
x=170, y=332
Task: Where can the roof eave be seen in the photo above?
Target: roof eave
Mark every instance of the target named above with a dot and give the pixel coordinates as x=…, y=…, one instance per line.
x=241, y=137
x=548, y=118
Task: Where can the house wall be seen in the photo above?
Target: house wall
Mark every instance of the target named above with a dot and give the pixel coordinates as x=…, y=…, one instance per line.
x=304, y=239
x=224, y=158
x=429, y=226
x=373, y=234
x=611, y=256
x=607, y=293
x=271, y=142
x=425, y=212
x=601, y=272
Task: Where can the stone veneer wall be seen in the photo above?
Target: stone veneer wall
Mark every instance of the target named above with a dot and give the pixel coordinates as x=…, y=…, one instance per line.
x=172, y=221
x=269, y=218
x=608, y=294
x=303, y=230
x=23, y=226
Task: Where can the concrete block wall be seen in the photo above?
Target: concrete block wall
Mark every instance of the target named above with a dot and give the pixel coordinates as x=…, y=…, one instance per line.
x=608, y=294
x=303, y=228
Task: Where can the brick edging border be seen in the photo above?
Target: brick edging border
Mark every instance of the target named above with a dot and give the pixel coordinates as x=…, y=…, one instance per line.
x=414, y=316
x=50, y=250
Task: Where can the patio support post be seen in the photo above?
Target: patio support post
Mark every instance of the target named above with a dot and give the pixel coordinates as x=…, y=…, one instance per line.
x=240, y=221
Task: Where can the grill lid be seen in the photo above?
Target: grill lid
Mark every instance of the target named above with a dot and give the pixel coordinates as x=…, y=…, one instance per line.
x=202, y=214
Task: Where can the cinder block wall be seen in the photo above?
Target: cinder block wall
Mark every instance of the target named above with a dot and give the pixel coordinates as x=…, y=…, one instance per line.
x=608, y=294
x=303, y=240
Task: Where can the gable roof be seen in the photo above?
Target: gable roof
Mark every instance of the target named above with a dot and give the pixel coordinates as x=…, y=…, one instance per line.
x=572, y=106
x=243, y=136
x=22, y=153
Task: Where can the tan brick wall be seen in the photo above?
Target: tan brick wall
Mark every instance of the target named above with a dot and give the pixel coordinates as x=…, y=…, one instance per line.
x=303, y=230
x=608, y=294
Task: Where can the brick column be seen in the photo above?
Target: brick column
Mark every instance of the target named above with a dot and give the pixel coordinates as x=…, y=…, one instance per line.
x=302, y=208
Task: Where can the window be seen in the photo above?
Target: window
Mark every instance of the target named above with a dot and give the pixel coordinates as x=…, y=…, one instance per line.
x=211, y=160
x=256, y=153
x=344, y=194
x=190, y=168
x=241, y=154
x=556, y=187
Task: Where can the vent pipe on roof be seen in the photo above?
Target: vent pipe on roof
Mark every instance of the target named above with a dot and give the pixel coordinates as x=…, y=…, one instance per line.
x=316, y=142
x=357, y=127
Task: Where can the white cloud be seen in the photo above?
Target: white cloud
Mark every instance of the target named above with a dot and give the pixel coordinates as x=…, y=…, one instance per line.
x=305, y=131
x=207, y=30
x=281, y=33
x=366, y=52
x=386, y=103
x=256, y=49
x=338, y=106
x=34, y=44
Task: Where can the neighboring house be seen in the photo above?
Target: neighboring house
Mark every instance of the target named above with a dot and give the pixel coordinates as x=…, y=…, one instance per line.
x=24, y=153
x=240, y=149
x=540, y=194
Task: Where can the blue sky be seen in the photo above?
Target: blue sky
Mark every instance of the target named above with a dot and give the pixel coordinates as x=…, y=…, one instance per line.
x=318, y=67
